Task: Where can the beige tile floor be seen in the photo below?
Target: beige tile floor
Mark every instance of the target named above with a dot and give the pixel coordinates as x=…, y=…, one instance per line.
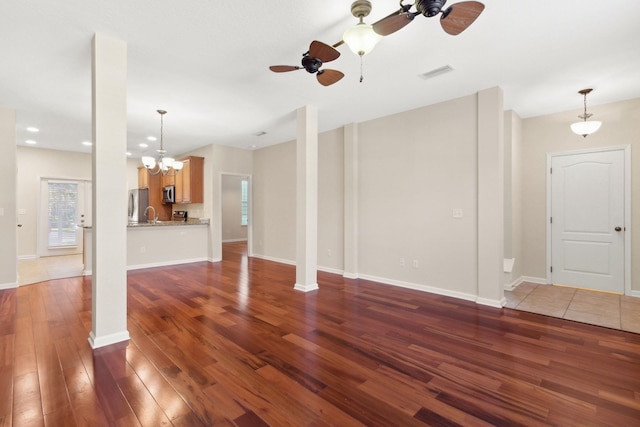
x=597, y=308
x=587, y=306
x=49, y=268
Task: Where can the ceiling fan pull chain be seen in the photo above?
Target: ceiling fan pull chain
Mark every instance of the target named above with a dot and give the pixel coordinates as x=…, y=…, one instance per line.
x=361, y=77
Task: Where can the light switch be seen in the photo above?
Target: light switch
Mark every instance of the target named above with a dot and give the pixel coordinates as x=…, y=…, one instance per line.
x=1, y=211
x=22, y=211
x=457, y=213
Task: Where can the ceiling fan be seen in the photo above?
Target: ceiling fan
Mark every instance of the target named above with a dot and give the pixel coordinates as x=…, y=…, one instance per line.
x=454, y=19
x=312, y=60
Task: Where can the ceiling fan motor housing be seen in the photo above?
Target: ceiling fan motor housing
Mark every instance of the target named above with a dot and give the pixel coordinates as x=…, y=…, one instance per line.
x=311, y=64
x=430, y=8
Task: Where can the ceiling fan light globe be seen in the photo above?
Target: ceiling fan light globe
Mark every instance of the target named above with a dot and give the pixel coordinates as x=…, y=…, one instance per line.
x=585, y=128
x=361, y=38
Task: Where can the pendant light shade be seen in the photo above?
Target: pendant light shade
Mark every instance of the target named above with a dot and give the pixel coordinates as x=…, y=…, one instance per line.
x=585, y=127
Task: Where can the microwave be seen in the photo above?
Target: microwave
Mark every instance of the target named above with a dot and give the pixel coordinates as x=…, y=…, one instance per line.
x=169, y=194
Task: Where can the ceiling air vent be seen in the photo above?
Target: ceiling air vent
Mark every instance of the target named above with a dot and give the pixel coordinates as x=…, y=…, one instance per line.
x=435, y=72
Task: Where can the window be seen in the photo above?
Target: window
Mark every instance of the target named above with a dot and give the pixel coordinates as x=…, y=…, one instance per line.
x=62, y=212
x=244, y=202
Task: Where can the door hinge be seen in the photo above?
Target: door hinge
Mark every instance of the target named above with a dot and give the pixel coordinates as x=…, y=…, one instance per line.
x=550, y=170
x=551, y=268
x=551, y=220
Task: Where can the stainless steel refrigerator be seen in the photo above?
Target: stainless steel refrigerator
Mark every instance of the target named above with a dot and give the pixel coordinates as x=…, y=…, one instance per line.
x=138, y=202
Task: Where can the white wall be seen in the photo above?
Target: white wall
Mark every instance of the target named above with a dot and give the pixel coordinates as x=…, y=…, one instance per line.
x=33, y=165
x=331, y=201
x=231, y=195
x=8, y=219
x=415, y=168
x=551, y=133
x=274, y=202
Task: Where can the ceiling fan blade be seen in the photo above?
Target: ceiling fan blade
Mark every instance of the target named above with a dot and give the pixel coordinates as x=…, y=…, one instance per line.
x=283, y=68
x=329, y=77
x=323, y=52
x=391, y=24
x=459, y=16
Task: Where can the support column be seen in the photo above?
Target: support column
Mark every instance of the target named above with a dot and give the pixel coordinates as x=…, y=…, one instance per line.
x=490, y=197
x=109, y=265
x=307, y=200
x=8, y=203
x=351, y=201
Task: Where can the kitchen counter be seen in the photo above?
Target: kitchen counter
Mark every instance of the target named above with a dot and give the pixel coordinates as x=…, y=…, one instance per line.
x=159, y=244
x=191, y=221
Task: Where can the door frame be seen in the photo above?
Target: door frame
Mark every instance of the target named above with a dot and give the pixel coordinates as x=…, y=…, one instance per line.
x=627, y=207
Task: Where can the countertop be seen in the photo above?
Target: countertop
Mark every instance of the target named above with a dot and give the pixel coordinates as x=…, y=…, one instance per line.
x=190, y=221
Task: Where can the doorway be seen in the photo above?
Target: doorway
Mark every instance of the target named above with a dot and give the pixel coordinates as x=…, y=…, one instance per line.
x=65, y=207
x=235, y=206
x=589, y=227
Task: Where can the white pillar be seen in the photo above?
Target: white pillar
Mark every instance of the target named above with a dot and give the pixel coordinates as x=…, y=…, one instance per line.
x=307, y=200
x=490, y=197
x=109, y=266
x=351, y=201
x=8, y=200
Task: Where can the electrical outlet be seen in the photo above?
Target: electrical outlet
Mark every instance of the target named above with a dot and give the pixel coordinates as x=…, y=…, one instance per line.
x=329, y=252
x=401, y=262
x=457, y=213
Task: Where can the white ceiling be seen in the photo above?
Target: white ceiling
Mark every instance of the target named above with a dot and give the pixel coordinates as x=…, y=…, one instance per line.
x=206, y=63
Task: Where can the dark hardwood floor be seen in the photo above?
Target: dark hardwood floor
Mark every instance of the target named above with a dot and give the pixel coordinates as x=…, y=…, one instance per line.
x=232, y=344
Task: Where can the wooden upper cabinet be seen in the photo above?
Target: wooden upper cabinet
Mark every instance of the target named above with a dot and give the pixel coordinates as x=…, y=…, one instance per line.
x=143, y=177
x=189, y=181
x=169, y=179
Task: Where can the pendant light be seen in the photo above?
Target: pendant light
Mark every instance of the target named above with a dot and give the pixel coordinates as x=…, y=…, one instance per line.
x=585, y=127
x=164, y=165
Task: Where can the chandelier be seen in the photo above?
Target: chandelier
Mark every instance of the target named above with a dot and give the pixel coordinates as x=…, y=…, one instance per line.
x=164, y=165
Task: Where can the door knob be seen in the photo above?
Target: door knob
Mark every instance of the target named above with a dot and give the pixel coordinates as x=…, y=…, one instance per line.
x=618, y=228
x=19, y=225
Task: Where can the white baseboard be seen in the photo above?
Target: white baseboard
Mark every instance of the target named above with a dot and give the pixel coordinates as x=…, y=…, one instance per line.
x=9, y=285
x=214, y=259
x=350, y=275
x=420, y=287
x=635, y=294
x=522, y=279
x=165, y=263
x=492, y=302
x=21, y=257
x=234, y=240
x=97, y=342
x=306, y=288
x=274, y=259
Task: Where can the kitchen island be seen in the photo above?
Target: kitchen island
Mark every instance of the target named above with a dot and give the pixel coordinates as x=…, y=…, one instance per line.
x=159, y=244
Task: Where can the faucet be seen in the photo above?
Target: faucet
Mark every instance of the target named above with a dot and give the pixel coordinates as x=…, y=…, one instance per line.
x=154, y=218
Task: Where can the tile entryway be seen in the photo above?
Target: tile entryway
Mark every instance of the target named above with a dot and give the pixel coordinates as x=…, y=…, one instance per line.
x=587, y=306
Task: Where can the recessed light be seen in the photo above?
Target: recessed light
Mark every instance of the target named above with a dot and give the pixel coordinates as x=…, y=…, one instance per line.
x=143, y=145
x=152, y=138
x=30, y=142
x=253, y=146
x=33, y=129
x=128, y=153
x=87, y=143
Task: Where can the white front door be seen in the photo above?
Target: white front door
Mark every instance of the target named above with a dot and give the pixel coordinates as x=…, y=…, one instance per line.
x=587, y=220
